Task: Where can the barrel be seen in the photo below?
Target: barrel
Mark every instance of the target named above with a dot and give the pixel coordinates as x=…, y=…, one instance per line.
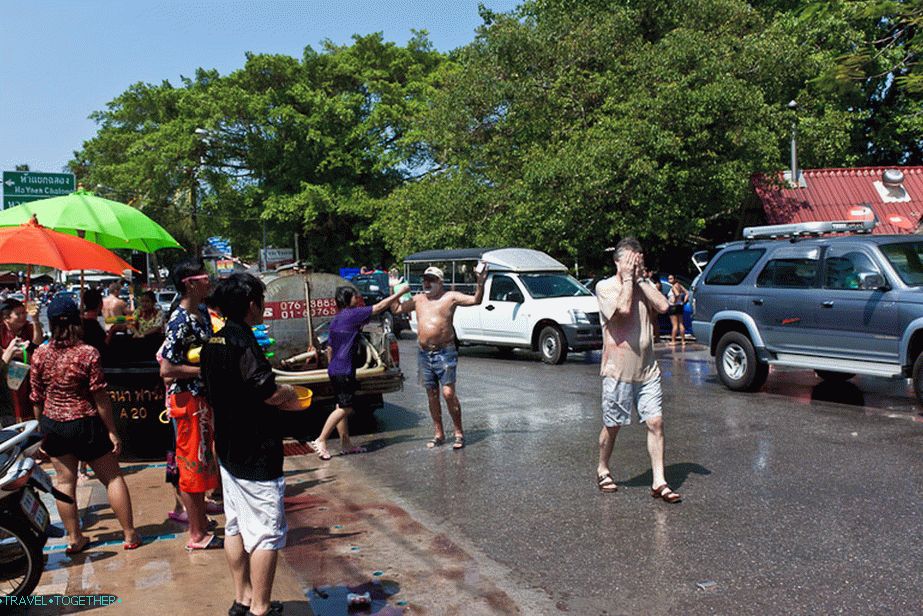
x=138, y=398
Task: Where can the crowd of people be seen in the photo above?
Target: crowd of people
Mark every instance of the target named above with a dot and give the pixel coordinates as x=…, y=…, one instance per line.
x=226, y=409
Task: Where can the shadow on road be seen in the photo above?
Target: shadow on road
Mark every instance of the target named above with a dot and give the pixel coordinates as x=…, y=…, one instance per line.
x=676, y=475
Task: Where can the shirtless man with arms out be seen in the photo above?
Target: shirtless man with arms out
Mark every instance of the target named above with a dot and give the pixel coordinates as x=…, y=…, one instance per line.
x=438, y=357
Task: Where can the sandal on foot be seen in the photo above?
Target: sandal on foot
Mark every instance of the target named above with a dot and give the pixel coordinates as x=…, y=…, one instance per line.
x=664, y=492
x=212, y=542
x=459, y=442
x=134, y=545
x=605, y=483
x=239, y=609
x=320, y=450
x=183, y=518
x=436, y=441
x=352, y=450
x=213, y=508
x=76, y=548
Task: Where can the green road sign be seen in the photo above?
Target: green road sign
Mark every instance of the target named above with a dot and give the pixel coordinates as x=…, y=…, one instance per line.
x=23, y=186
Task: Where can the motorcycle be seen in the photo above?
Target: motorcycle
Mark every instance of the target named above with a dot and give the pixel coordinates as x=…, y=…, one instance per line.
x=24, y=520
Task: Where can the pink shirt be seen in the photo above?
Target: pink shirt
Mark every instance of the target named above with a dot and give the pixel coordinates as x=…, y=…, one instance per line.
x=628, y=341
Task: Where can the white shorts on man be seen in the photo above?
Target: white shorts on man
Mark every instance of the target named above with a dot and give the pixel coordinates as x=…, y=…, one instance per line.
x=255, y=510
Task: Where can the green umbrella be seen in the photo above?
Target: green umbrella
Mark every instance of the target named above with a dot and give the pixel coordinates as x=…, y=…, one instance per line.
x=108, y=223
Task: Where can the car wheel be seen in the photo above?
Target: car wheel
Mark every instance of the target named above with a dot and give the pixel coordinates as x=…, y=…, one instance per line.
x=552, y=346
x=737, y=364
x=834, y=377
x=918, y=377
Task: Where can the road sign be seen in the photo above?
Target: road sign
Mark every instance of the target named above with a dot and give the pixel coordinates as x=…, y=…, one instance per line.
x=24, y=186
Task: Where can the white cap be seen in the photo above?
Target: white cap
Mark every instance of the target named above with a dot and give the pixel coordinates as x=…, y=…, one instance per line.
x=434, y=271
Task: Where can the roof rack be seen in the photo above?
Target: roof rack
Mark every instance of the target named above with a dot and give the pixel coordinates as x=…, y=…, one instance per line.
x=808, y=229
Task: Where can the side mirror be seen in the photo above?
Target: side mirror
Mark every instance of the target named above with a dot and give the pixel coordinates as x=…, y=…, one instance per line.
x=516, y=297
x=871, y=281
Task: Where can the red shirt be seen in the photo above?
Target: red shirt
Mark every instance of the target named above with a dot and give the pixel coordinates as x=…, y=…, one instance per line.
x=64, y=376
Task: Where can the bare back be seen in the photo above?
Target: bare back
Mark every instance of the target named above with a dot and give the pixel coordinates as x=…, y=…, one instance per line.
x=114, y=306
x=434, y=319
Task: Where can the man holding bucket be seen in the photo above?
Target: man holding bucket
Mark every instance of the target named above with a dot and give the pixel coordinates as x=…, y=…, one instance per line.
x=438, y=358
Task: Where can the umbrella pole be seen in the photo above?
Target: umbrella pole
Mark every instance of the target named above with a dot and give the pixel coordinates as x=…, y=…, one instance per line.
x=81, y=290
x=28, y=282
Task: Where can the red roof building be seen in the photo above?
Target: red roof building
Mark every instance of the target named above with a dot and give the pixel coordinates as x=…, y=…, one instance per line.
x=830, y=194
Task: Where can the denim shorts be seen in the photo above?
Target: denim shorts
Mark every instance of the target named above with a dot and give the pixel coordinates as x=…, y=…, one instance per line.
x=437, y=367
x=620, y=397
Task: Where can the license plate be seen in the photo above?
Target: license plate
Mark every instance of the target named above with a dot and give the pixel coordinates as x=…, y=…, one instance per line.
x=34, y=509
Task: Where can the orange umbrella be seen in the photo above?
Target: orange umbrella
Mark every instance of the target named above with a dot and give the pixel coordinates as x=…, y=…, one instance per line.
x=33, y=244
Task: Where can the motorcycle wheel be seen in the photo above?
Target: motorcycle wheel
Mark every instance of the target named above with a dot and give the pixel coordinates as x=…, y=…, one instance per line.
x=21, y=558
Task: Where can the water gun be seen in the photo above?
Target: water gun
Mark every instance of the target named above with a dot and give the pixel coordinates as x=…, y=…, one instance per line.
x=262, y=338
x=130, y=318
x=194, y=356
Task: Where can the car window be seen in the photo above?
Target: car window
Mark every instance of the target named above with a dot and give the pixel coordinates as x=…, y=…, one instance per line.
x=907, y=259
x=733, y=266
x=788, y=273
x=842, y=267
x=503, y=288
x=541, y=286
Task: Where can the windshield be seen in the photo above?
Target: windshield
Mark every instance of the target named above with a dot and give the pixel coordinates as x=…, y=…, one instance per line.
x=907, y=259
x=541, y=286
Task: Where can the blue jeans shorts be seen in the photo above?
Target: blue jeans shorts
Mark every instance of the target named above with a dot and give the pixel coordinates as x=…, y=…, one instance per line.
x=620, y=397
x=437, y=368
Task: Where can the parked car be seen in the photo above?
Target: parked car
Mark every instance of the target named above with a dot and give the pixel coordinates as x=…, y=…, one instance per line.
x=374, y=288
x=841, y=306
x=165, y=300
x=530, y=301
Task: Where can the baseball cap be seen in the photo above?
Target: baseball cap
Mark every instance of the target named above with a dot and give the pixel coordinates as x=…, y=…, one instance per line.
x=434, y=271
x=63, y=311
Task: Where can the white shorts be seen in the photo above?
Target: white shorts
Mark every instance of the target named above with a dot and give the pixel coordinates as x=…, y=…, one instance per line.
x=255, y=510
x=620, y=397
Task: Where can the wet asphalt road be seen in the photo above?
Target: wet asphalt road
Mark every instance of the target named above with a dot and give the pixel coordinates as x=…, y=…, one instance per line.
x=803, y=498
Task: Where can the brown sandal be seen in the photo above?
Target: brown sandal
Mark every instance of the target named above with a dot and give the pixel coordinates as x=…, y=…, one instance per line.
x=664, y=492
x=605, y=483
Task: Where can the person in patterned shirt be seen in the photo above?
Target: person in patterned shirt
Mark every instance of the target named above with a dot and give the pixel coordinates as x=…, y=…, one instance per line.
x=190, y=327
x=75, y=413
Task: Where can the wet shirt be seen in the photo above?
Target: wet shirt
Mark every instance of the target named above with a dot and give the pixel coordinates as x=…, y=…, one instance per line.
x=238, y=380
x=185, y=331
x=64, y=376
x=94, y=334
x=344, y=336
x=628, y=342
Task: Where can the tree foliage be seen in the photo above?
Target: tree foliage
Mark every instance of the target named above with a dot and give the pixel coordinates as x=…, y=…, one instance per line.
x=563, y=125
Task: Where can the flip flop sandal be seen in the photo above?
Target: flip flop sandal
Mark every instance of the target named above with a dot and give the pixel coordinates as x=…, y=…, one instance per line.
x=666, y=494
x=320, y=450
x=352, y=450
x=75, y=548
x=459, y=443
x=436, y=441
x=214, y=508
x=605, y=483
x=133, y=546
x=214, y=543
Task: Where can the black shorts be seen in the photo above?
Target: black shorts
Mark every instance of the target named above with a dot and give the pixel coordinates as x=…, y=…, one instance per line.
x=344, y=390
x=675, y=309
x=86, y=438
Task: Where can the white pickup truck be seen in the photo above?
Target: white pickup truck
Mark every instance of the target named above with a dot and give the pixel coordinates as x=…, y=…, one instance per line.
x=530, y=301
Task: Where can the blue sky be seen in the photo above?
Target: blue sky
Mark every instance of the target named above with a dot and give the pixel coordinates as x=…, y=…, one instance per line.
x=61, y=60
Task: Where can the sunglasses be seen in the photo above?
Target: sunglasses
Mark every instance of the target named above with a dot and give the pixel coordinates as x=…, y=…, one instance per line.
x=196, y=277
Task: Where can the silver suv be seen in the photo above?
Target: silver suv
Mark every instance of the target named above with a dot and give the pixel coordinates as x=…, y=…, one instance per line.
x=841, y=305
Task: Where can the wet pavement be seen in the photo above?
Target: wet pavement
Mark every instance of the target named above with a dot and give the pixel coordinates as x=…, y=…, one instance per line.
x=802, y=498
